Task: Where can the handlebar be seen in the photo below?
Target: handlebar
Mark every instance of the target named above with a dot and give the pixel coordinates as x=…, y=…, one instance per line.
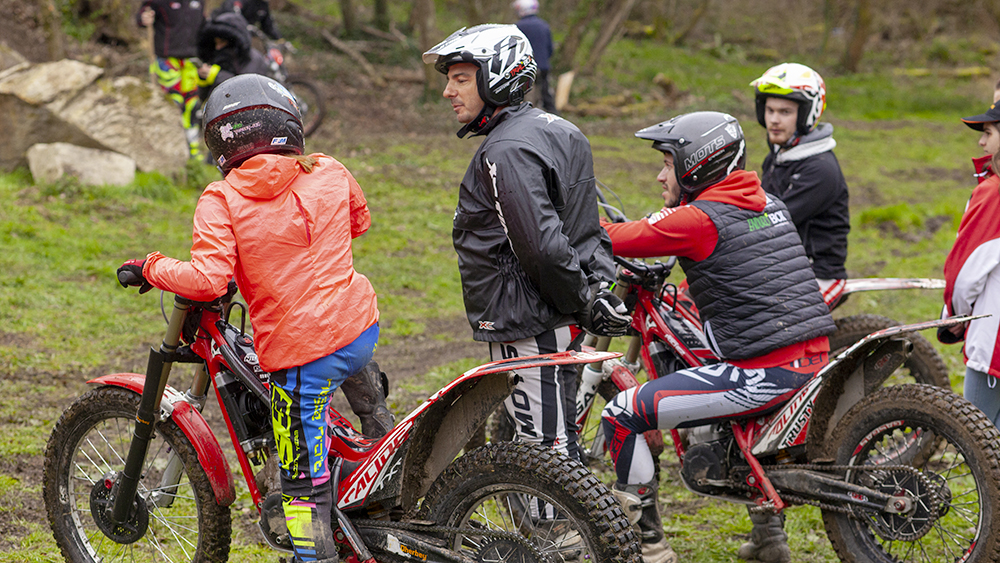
x=644, y=272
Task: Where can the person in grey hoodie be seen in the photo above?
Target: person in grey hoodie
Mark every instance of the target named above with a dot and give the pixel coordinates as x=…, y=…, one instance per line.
x=802, y=170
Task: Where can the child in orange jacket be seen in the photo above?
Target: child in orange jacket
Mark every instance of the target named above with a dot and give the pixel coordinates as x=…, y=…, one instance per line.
x=282, y=223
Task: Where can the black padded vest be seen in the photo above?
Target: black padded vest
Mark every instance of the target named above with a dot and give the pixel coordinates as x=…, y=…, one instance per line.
x=756, y=292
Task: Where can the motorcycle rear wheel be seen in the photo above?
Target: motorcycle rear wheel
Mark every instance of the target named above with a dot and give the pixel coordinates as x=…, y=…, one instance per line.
x=310, y=100
x=956, y=502
x=91, y=440
x=925, y=365
x=490, y=487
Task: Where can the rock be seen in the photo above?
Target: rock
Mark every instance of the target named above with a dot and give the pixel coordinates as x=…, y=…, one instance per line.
x=49, y=162
x=68, y=101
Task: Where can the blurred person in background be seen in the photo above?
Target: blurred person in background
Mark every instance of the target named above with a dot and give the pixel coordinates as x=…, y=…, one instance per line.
x=175, y=26
x=540, y=36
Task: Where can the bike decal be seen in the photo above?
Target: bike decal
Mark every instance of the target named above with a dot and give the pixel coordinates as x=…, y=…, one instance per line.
x=364, y=478
x=788, y=426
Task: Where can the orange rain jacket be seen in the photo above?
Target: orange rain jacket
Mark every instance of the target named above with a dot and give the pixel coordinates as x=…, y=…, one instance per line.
x=287, y=237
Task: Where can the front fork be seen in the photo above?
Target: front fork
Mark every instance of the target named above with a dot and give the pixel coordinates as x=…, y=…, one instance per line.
x=157, y=373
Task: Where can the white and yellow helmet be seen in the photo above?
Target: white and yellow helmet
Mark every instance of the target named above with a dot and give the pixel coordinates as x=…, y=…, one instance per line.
x=795, y=82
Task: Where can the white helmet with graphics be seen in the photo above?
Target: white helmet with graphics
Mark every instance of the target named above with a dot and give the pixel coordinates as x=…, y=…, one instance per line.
x=795, y=82
x=506, y=65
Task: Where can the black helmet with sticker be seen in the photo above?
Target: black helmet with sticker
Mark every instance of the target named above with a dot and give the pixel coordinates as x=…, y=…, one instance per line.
x=251, y=114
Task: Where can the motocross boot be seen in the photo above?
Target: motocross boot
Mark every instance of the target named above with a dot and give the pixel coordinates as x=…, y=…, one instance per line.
x=768, y=540
x=366, y=392
x=639, y=502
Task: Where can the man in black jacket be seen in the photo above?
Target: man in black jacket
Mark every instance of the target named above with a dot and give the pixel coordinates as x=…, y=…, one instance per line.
x=533, y=257
x=540, y=36
x=802, y=170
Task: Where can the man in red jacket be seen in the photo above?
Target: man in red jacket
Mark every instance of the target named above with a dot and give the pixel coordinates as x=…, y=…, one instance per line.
x=758, y=298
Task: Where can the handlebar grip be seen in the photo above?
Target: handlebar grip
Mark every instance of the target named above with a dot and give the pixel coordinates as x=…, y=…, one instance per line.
x=128, y=278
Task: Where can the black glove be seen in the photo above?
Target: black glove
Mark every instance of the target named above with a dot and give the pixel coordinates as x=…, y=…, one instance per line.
x=130, y=273
x=606, y=314
x=946, y=336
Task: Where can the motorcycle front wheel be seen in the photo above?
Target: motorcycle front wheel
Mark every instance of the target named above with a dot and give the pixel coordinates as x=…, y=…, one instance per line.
x=550, y=500
x=89, y=443
x=949, y=509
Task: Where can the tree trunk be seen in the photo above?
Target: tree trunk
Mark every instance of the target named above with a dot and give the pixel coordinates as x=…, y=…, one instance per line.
x=350, y=18
x=382, y=15
x=422, y=21
x=992, y=8
x=582, y=16
x=859, y=35
x=609, y=29
x=827, y=26
x=50, y=20
x=681, y=37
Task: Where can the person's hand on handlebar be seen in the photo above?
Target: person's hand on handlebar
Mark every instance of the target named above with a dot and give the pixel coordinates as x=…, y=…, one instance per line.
x=606, y=314
x=130, y=274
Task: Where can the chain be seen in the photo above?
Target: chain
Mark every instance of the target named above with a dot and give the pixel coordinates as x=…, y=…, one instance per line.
x=452, y=531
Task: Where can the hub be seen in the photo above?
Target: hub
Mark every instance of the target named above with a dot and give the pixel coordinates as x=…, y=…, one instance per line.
x=102, y=500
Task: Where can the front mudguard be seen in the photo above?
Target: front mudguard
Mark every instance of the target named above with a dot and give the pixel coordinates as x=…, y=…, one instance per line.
x=190, y=421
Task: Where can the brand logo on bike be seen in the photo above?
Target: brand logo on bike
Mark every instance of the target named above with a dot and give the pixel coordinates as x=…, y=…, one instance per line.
x=767, y=220
x=368, y=474
x=486, y=325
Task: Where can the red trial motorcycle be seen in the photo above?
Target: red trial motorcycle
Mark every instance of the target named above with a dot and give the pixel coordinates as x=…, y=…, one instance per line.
x=134, y=473
x=900, y=473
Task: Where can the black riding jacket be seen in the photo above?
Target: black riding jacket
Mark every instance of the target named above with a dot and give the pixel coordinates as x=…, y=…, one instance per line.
x=815, y=192
x=526, y=229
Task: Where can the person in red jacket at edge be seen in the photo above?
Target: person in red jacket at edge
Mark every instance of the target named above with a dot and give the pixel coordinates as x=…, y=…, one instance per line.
x=982, y=164
x=758, y=298
x=282, y=222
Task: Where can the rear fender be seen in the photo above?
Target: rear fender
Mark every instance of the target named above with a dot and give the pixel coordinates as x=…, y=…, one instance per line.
x=856, y=372
x=190, y=421
x=445, y=422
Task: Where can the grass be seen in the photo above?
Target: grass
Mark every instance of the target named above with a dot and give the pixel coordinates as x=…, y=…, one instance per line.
x=903, y=150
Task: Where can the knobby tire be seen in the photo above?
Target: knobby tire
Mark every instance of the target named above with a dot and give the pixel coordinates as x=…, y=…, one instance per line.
x=311, y=102
x=887, y=427
x=490, y=486
x=92, y=439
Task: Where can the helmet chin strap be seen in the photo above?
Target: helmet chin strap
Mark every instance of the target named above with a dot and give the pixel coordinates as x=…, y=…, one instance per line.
x=477, y=124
